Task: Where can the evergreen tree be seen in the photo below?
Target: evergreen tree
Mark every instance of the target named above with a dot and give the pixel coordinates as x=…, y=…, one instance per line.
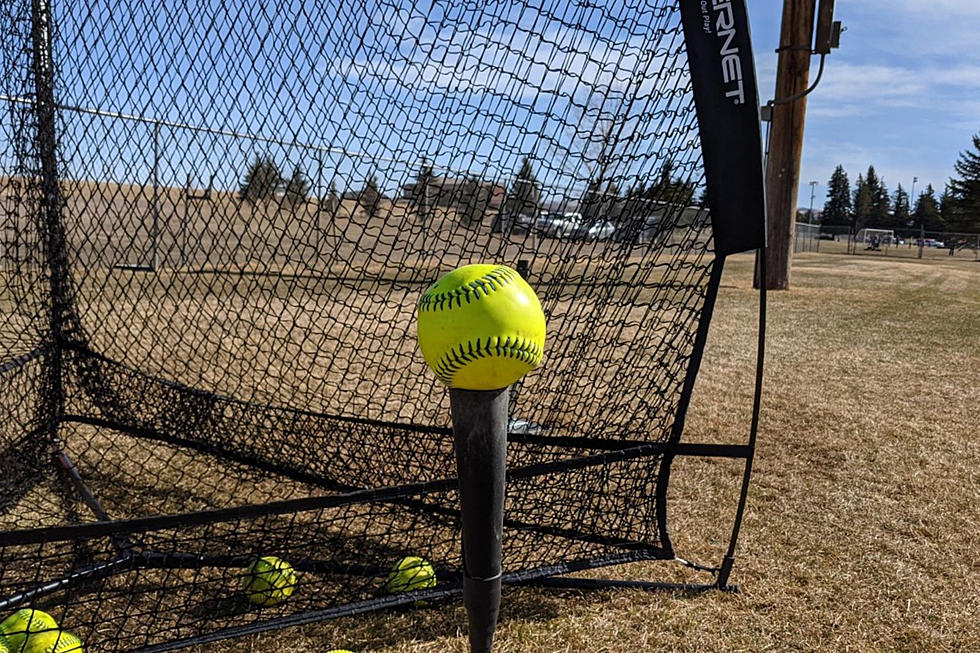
x=297, y=189
x=262, y=180
x=862, y=204
x=948, y=209
x=370, y=197
x=670, y=190
x=421, y=192
x=331, y=202
x=879, y=215
x=879, y=202
x=926, y=214
x=633, y=205
x=475, y=201
x=901, y=214
x=881, y=207
x=965, y=190
x=837, y=209
x=872, y=182
x=525, y=195
x=612, y=203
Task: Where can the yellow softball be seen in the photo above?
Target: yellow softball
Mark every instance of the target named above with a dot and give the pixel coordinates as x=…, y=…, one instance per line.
x=481, y=327
x=270, y=581
x=411, y=573
x=53, y=641
x=25, y=624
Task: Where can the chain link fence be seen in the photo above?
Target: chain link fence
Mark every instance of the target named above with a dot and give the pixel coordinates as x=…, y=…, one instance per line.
x=902, y=243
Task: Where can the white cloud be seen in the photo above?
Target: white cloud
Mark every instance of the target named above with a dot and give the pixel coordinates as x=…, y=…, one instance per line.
x=901, y=92
x=856, y=89
x=875, y=83
x=966, y=76
x=957, y=8
x=511, y=61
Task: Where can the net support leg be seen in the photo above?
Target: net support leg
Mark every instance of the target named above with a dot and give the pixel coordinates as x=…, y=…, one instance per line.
x=586, y=584
x=725, y=572
x=480, y=436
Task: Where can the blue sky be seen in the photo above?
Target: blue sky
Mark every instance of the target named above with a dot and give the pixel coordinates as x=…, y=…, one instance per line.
x=468, y=87
x=902, y=92
x=475, y=91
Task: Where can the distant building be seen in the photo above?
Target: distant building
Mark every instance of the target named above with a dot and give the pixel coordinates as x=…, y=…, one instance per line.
x=448, y=192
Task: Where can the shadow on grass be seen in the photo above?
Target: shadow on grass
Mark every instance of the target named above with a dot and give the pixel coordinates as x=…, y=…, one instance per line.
x=439, y=620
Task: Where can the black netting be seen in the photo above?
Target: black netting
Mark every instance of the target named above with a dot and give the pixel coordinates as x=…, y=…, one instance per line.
x=216, y=221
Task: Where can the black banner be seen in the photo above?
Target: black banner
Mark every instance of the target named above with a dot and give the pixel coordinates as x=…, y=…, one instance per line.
x=727, y=100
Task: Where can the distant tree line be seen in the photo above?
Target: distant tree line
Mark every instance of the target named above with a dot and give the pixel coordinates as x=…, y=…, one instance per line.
x=869, y=204
x=264, y=181
x=473, y=197
x=603, y=199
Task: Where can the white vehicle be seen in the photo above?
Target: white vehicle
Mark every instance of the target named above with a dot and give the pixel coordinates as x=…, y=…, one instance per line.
x=557, y=225
x=601, y=231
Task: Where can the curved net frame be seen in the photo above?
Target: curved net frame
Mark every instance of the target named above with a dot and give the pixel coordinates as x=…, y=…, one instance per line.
x=216, y=223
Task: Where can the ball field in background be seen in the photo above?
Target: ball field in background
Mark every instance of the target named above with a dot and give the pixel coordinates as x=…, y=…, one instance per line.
x=481, y=327
x=410, y=573
x=270, y=581
x=23, y=624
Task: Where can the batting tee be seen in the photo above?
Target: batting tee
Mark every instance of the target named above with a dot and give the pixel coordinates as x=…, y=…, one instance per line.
x=197, y=373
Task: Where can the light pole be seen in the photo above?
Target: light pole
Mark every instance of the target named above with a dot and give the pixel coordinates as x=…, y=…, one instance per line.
x=809, y=215
x=922, y=226
x=912, y=196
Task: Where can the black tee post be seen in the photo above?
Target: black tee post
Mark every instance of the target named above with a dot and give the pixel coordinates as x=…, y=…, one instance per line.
x=480, y=436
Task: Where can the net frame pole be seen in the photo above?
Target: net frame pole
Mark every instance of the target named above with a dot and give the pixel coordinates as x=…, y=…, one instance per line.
x=480, y=440
x=729, y=560
x=729, y=121
x=155, y=209
x=49, y=217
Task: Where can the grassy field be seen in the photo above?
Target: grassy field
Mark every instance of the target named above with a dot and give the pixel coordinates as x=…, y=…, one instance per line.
x=863, y=523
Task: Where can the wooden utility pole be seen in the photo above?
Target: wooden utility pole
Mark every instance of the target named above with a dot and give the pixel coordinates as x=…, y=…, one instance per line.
x=786, y=139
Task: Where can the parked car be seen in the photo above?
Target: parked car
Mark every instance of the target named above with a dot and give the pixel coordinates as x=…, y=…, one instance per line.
x=569, y=223
x=522, y=223
x=557, y=225
x=651, y=230
x=601, y=230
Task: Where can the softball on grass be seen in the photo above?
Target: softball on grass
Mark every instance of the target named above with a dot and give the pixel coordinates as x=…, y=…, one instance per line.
x=269, y=581
x=53, y=641
x=481, y=327
x=410, y=573
x=24, y=625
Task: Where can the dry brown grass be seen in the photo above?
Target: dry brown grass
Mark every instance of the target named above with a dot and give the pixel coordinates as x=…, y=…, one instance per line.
x=863, y=523
x=863, y=526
